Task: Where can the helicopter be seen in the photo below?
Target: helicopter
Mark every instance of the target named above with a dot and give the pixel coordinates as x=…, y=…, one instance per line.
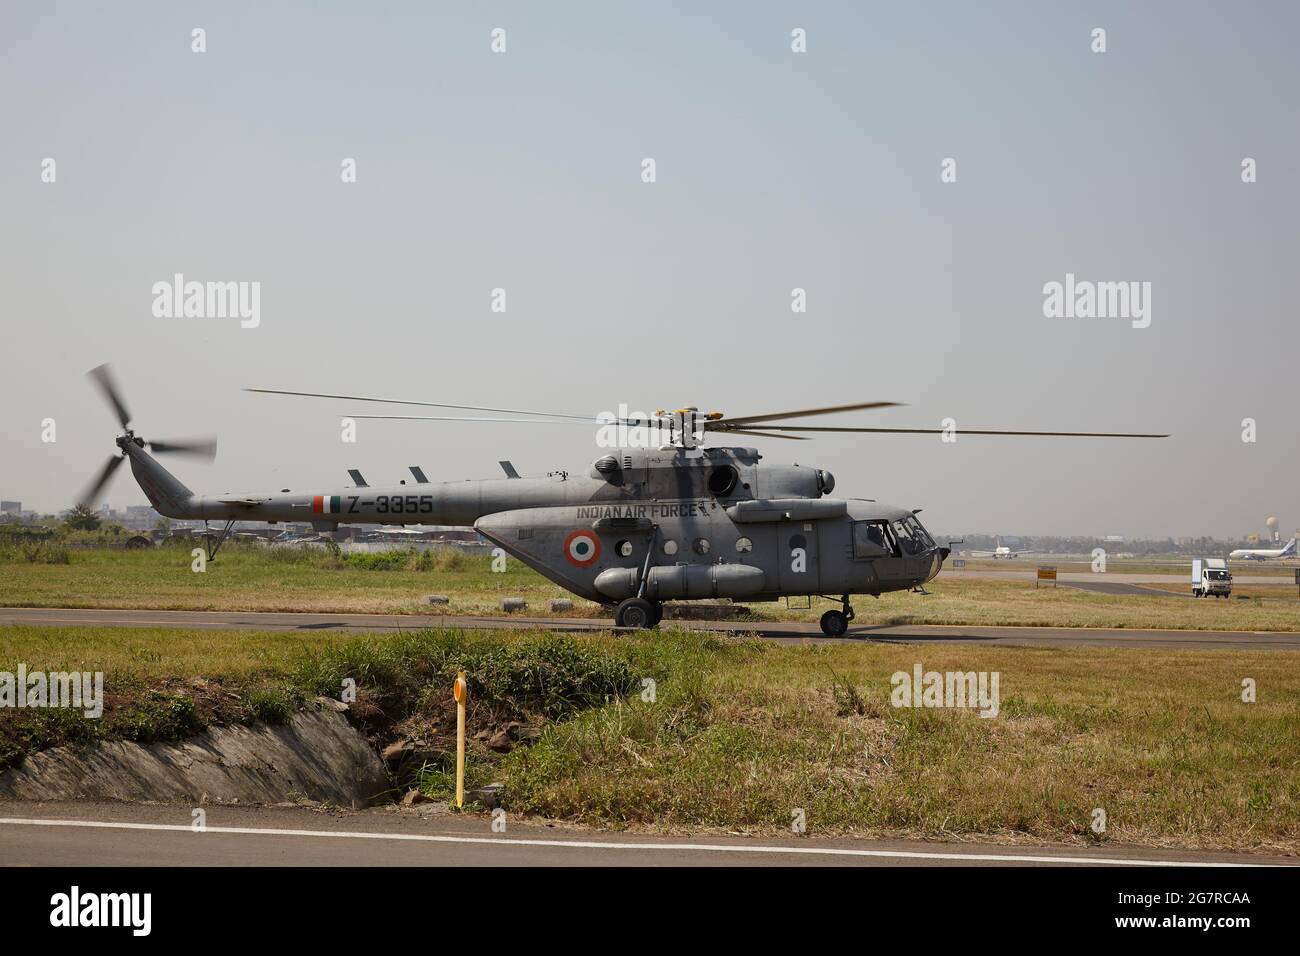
x=638, y=526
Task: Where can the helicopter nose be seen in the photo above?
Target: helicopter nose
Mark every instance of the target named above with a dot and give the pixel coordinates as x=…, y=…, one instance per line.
x=936, y=564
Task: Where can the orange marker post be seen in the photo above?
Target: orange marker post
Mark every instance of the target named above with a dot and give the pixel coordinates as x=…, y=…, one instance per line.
x=460, y=691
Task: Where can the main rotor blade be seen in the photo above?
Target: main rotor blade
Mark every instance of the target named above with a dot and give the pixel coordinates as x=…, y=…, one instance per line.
x=467, y=418
x=398, y=401
x=102, y=375
x=741, y=431
x=724, y=422
x=961, y=431
x=87, y=497
x=204, y=447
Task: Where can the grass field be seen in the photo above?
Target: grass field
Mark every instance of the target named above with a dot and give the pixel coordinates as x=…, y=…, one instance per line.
x=251, y=578
x=742, y=733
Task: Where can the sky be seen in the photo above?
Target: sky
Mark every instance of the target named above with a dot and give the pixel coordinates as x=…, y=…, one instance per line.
x=774, y=170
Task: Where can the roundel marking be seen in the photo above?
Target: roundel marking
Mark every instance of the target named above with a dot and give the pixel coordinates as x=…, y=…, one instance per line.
x=582, y=548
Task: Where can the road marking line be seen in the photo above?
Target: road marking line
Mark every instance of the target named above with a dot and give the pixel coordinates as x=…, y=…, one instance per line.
x=601, y=845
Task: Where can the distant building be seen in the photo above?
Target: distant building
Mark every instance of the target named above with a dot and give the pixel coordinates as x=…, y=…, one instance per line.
x=140, y=517
x=10, y=507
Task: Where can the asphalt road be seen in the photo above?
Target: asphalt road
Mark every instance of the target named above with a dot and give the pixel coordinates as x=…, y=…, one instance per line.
x=151, y=835
x=1119, y=587
x=796, y=632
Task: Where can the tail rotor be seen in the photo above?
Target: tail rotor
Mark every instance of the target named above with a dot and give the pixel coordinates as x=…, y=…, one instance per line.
x=204, y=447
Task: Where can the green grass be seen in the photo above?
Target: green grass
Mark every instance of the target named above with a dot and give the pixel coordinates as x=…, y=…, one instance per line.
x=159, y=684
x=740, y=732
x=164, y=685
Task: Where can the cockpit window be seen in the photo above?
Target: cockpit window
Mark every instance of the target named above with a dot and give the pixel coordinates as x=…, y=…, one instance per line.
x=870, y=540
x=912, y=538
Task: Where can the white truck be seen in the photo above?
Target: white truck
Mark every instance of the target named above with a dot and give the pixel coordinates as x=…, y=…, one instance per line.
x=1210, y=577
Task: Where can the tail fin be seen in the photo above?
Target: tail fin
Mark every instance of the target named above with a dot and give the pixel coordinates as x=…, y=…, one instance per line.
x=1290, y=548
x=163, y=489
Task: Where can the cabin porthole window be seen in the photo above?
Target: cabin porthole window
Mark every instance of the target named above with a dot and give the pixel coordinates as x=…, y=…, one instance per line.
x=623, y=548
x=744, y=545
x=701, y=546
x=670, y=546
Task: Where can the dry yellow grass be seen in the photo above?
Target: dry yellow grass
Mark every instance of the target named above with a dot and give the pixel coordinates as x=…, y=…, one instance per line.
x=1160, y=741
x=159, y=652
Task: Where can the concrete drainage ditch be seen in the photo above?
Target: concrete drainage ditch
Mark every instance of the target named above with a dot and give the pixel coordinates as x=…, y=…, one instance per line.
x=318, y=755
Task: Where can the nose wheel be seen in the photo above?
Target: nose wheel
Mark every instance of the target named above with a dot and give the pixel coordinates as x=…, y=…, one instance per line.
x=836, y=623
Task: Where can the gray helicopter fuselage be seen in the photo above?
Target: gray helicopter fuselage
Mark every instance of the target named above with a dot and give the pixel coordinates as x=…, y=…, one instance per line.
x=659, y=524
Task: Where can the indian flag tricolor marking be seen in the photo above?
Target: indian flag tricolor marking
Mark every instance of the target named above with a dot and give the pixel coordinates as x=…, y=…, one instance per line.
x=327, y=504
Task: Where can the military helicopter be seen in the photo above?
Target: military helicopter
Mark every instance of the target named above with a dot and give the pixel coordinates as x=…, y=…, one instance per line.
x=637, y=527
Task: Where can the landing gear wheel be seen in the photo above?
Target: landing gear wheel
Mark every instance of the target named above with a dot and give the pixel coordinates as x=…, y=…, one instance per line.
x=636, y=613
x=835, y=623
